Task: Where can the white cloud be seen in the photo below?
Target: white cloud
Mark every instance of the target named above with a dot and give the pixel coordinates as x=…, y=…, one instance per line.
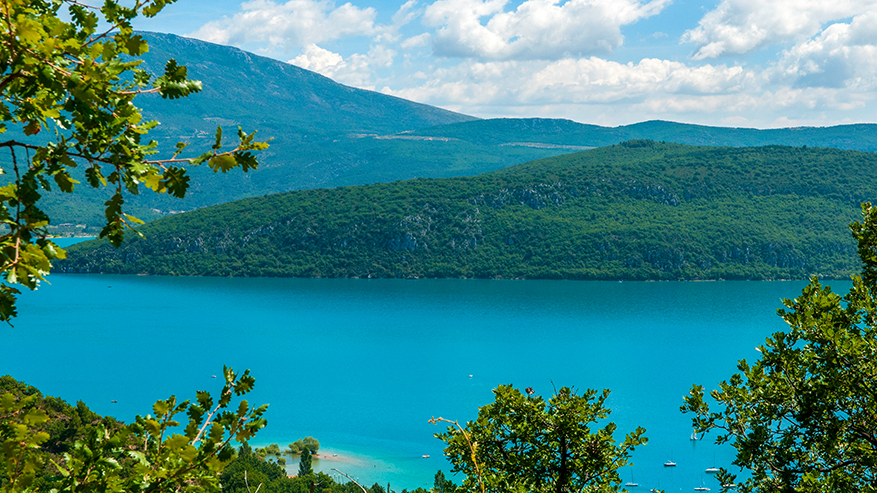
x=288, y=25
x=576, y=81
x=406, y=13
x=743, y=26
x=537, y=29
x=317, y=59
x=548, y=57
x=843, y=55
x=596, y=90
x=357, y=70
x=415, y=41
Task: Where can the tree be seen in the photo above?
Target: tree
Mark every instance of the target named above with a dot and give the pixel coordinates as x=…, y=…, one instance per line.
x=522, y=443
x=304, y=463
x=67, y=90
x=804, y=416
x=152, y=454
x=442, y=484
x=248, y=472
x=310, y=443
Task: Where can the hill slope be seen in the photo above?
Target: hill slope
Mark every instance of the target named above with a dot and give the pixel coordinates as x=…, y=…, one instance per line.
x=638, y=210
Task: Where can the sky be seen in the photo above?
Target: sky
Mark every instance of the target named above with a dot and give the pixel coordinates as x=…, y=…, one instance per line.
x=736, y=63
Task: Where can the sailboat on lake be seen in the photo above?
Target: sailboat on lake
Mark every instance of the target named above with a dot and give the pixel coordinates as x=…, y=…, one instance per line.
x=670, y=462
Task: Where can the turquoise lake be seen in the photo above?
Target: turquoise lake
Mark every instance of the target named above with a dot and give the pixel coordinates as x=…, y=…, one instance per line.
x=363, y=364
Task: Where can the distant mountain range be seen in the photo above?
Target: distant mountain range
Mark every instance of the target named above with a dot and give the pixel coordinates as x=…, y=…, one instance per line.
x=636, y=210
x=503, y=132
x=326, y=134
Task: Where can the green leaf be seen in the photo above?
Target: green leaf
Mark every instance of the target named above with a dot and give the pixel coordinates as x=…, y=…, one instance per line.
x=246, y=160
x=218, y=144
x=136, y=45
x=65, y=182
x=222, y=163
x=175, y=181
x=95, y=177
x=160, y=408
x=134, y=219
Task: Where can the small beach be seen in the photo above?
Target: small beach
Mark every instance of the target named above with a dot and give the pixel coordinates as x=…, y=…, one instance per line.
x=369, y=470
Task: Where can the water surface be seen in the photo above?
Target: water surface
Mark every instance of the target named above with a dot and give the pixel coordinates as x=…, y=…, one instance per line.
x=363, y=364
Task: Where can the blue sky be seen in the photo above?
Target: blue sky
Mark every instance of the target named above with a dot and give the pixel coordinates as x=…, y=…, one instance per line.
x=744, y=63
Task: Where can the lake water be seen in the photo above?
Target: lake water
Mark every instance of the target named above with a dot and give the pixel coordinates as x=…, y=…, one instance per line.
x=363, y=364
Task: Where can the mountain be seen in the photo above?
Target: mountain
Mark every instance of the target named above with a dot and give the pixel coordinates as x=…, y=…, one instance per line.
x=636, y=210
x=275, y=97
x=326, y=135
x=546, y=132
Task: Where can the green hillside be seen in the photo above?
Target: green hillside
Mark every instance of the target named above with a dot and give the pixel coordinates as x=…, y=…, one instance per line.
x=638, y=210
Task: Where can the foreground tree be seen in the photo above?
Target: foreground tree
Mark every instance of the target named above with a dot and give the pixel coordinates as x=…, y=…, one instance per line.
x=152, y=454
x=67, y=91
x=304, y=463
x=523, y=443
x=804, y=417
x=441, y=484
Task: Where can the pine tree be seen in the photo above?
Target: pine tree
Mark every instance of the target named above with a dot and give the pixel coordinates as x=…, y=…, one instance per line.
x=304, y=463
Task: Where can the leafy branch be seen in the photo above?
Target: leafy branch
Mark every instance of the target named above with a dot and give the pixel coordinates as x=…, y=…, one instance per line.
x=60, y=76
x=140, y=457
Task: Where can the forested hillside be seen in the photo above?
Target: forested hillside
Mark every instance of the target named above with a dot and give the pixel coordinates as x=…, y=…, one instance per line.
x=638, y=210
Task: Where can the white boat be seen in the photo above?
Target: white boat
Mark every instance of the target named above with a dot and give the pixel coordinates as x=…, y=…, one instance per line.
x=694, y=435
x=669, y=463
x=712, y=470
x=701, y=488
x=631, y=485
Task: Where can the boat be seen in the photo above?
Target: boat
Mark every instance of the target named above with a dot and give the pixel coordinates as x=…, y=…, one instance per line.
x=694, y=435
x=631, y=485
x=701, y=488
x=669, y=463
x=712, y=470
x=425, y=456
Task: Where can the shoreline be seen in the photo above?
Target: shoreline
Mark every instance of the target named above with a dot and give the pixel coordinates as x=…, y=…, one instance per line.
x=369, y=469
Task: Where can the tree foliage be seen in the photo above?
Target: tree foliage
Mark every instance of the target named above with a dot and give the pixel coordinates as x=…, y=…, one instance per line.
x=304, y=463
x=309, y=443
x=523, y=443
x=152, y=454
x=803, y=417
x=249, y=472
x=68, y=81
x=441, y=484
